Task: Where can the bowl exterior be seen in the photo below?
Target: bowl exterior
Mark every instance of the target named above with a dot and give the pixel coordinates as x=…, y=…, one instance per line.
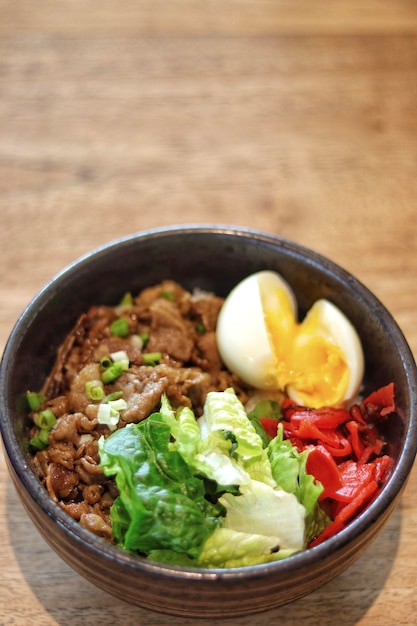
x=213, y=258
x=192, y=593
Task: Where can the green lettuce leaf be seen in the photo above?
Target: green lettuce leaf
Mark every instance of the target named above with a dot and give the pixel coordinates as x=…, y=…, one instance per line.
x=262, y=524
x=264, y=408
x=162, y=504
x=170, y=557
x=267, y=510
x=210, y=458
x=226, y=429
x=288, y=468
x=230, y=548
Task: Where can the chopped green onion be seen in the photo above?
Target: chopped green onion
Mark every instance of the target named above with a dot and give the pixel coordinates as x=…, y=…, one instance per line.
x=105, y=362
x=45, y=419
x=201, y=329
x=127, y=299
x=121, y=355
x=145, y=338
x=37, y=443
x=151, y=358
x=108, y=416
x=125, y=303
x=109, y=413
x=114, y=366
x=35, y=400
x=120, y=327
x=44, y=435
x=94, y=390
x=111, y=373
x=136, y=341
x=168, y=295
x=113, y=396
x=121, y=359
x=41, y=441
x=118, y=405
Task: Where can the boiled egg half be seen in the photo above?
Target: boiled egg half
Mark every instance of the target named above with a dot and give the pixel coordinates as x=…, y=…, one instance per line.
x=317, y=362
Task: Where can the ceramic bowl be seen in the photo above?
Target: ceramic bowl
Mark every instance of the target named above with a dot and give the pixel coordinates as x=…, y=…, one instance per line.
x=214, y=258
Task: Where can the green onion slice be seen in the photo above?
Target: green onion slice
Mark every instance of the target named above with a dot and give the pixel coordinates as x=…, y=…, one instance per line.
x=105, y=362
x=94, y=390
x=34, y=400
x=45, y=419
x=114, y=366
x=41, y=441
x=120, y=327
x=119, y=356
x=112, y=373
x=127, y=299
x=115, y=395
x=151, y=358
x=109, y=413
x=168, y=295
x=37, y=443
x=145, y=338
x=118, y=405
x=44, y=435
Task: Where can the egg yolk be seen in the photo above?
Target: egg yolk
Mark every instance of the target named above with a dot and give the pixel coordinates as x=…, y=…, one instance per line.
x=307, y=361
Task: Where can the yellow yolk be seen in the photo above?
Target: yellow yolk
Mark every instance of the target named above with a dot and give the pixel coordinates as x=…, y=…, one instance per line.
x=316, y=362
x=308, y=363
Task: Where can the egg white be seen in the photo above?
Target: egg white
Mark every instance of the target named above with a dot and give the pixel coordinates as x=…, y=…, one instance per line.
x=242, y=337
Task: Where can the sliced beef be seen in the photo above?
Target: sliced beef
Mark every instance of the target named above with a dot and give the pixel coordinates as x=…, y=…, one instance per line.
x=164, y=319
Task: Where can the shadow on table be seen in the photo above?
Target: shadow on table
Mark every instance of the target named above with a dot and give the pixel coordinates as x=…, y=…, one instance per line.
x=70, y=600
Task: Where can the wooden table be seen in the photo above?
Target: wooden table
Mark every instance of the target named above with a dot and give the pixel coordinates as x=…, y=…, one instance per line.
x=294, y=117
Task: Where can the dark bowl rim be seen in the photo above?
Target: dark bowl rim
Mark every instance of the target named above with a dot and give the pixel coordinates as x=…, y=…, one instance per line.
x=99, y=546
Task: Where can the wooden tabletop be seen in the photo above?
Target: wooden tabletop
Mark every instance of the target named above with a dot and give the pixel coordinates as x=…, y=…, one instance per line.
x=294, y=117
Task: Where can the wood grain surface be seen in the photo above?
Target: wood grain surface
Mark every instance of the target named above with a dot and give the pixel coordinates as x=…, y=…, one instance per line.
x=294, y=117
